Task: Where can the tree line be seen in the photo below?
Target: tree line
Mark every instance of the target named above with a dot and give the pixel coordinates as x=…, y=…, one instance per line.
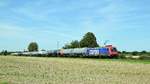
x=89, y=40
x=135, y=52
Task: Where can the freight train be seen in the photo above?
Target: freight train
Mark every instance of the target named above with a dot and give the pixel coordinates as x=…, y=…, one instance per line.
x=107, y=51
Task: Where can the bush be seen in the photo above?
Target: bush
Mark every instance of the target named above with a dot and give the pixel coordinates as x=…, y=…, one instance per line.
x=4, y=52
x=122, y=56
x=145, y=57
x=134, y=53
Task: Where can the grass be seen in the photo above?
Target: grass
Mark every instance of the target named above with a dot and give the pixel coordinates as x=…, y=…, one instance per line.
x=54, y=70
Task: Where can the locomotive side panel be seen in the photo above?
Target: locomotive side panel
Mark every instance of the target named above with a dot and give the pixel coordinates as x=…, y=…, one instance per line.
x=104, y=51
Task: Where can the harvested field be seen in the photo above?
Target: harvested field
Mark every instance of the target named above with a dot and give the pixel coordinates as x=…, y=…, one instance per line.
x=54, y=70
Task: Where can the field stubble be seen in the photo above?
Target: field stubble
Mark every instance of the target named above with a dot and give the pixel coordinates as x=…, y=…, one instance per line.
x=32, y=70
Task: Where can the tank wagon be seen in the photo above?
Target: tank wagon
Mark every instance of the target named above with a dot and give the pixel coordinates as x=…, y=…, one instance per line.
x=35, y=53
x=73, y=52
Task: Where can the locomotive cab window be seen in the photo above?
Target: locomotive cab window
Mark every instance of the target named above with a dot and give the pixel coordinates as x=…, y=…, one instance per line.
x=114, y=50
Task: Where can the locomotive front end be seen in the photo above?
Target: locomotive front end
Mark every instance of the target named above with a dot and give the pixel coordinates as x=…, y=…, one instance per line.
x=112, y=51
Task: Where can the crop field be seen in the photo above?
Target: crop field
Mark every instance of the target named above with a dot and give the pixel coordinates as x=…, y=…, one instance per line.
x=55, y=70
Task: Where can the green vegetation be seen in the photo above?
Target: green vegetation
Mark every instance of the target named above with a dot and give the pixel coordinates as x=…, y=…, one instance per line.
x=3, y=82
x=73, y=44
x=33, y=46
x=5, y=52
x=143, y=55
x=53, y=70
x=89, y=40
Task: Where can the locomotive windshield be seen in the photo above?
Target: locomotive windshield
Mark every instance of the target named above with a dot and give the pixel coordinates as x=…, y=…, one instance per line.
x=114, y=49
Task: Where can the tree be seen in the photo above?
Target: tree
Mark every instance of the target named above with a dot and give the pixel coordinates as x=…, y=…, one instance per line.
x=89, y=40
x=135, y=53
x=124, y=52
x=4, y=52
x=144, y=52
x=73, y=44
x=33, y=46
x=67, y=46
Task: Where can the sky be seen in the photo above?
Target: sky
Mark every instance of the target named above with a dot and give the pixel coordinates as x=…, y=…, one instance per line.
x=125, y=23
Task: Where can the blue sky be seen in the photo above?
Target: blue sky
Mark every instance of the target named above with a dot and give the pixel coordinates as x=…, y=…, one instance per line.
x=125, y=23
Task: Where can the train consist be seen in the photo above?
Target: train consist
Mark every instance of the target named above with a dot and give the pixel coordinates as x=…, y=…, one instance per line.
x=107, y=51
